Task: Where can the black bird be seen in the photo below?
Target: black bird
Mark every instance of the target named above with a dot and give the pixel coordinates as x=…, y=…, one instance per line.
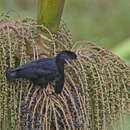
x=42, y=71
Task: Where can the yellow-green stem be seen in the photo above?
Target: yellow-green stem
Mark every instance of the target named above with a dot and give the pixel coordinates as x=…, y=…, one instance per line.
x=49, y=13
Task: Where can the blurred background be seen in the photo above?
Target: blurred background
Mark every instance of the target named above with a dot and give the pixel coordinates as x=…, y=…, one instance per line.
x=105, y=22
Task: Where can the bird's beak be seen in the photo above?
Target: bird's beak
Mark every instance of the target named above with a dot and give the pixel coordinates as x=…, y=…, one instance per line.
x=68, y=62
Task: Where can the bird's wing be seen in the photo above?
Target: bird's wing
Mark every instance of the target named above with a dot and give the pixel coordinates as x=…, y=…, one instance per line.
x=36, y=69
x=47, y=64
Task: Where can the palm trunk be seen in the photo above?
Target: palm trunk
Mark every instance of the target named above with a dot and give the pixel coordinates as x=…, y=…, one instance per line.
x=49, y=13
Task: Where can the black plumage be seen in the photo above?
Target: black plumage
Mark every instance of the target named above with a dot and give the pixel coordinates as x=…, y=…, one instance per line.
x=42, y=71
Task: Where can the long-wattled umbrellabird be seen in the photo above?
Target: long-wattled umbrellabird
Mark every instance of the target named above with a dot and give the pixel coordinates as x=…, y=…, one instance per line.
x=42, y=71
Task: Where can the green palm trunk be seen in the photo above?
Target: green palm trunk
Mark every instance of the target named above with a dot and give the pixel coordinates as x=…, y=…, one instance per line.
x=49, y=13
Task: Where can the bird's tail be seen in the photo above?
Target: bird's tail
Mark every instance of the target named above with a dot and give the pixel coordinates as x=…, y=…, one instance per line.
x=11, y=74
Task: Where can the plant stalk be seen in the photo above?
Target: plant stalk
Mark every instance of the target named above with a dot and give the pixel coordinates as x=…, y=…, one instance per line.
x=49, y=13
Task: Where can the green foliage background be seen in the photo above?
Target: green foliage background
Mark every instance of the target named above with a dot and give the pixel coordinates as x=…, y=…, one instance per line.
x=106, y=22
x=102, y=21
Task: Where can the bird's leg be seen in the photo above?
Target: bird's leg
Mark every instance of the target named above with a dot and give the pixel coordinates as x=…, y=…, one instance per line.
x=59, y=84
